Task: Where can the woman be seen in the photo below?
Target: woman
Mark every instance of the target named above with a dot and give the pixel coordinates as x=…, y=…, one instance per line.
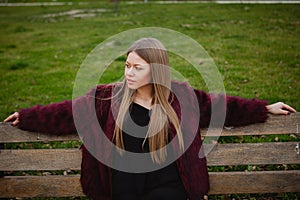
x=146, y=100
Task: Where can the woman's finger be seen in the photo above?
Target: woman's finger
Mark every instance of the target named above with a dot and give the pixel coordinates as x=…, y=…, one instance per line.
x=284, y=112
x=16, y=122
x=9, y=118
x=12, y=117
x=289, y=108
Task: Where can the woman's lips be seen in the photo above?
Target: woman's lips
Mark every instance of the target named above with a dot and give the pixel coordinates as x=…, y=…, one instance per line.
x=130, y=81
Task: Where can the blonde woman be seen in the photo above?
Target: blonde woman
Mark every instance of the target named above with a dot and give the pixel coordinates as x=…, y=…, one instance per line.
x=143, y=114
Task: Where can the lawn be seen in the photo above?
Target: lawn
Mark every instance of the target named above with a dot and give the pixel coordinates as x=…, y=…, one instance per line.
x=255, y=47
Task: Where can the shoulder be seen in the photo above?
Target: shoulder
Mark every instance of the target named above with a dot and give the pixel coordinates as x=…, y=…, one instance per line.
x=183, y=88
x=104, y=90
x=189, y=93
x=177, y=86
x=184, y=92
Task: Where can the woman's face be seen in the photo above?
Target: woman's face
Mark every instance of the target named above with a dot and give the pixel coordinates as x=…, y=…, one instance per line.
x=137, y=71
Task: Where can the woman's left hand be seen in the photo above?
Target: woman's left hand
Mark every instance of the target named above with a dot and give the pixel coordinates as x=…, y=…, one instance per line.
x=280, y=108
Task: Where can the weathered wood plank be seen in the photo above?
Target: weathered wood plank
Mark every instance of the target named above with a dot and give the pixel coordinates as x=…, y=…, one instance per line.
x=254, y=182
x=40, y=186
x=40, y=159
x=254, y=154
x=220, y=183
x=10, y=134
x=276, y=124
x=222, y=154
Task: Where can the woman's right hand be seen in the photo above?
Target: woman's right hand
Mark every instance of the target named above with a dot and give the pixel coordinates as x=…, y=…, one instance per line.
x=14, y=118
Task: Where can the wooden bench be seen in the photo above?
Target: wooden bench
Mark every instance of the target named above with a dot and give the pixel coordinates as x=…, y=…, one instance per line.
x=41, y=161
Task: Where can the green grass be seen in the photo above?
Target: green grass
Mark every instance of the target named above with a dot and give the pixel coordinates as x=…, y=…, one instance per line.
x=256, y=49
x=254, y=46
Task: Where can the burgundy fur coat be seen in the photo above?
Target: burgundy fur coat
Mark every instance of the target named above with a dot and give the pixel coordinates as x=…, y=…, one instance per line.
x=58, y=118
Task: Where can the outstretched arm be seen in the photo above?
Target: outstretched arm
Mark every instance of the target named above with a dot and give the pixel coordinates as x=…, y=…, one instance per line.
x=54, y=118
x=239, y=111
x=58, y=118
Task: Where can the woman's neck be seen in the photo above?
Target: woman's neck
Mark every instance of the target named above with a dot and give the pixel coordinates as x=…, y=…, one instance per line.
x=145, y=92
x=144, y=96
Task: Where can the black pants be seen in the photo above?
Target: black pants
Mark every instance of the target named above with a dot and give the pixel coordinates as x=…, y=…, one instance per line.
x=162, y=193
x=165, y=193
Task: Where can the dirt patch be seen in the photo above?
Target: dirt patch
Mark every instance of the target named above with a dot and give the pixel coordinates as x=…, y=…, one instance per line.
x=77, y=13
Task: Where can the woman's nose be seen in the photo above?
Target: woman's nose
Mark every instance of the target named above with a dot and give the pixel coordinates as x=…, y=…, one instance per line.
x=129, y=71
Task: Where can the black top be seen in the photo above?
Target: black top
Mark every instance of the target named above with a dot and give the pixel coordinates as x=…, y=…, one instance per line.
x=164, y=183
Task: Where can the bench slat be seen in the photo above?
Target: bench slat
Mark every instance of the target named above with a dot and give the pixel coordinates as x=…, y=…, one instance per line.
x=254, y=154
x=221, y=183
x=10, y=134
x=40, y=159
x=276, y=124
x=222, y=154
x=254, y=182
x=40, y=186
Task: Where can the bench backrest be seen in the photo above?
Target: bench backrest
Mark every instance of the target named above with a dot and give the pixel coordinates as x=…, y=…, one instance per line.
x=36, y=163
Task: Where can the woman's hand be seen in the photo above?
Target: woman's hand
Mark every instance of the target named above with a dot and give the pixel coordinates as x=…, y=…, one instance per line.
x=280, y=108
x=14, y=118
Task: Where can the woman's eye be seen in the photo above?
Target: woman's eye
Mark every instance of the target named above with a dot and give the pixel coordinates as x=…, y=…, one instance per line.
x=127, y=66
x=138, y=68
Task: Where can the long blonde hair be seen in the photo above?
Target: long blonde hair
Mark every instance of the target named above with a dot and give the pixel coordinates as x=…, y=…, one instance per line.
x=153, y=52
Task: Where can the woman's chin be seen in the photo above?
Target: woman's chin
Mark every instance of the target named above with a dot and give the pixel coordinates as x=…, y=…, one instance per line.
x=131, y=86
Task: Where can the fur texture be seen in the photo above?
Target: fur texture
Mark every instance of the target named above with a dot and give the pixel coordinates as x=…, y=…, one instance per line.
x=58, y=118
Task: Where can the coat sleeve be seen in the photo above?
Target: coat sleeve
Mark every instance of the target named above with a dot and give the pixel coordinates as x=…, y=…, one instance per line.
x=239, y=111
x=54, y=118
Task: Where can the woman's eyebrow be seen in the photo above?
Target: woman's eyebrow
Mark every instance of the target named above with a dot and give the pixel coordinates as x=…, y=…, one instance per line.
x=135, y=64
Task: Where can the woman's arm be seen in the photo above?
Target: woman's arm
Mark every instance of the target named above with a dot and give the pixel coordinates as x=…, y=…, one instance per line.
x=239, y=111
x=56, y=118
